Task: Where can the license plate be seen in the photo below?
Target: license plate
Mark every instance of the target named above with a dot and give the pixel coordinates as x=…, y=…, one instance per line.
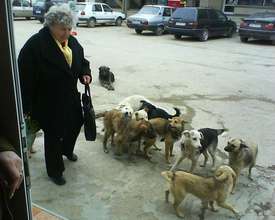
x=136, y=22
x=38, y=12
x=255, y=25
x=180, y=24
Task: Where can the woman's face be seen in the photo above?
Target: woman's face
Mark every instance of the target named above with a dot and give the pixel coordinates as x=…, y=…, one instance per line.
x=60, y=32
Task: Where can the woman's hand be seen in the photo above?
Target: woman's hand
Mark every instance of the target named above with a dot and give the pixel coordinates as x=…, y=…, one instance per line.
x=11, y=168
x=86, y=79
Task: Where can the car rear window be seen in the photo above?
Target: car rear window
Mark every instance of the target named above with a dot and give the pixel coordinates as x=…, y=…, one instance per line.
x=149, y=10
x=39, y=3
x=189, y=14
x=80, y=7
x=263, y=15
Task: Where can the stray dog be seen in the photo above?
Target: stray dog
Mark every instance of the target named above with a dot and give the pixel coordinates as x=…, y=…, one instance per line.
x=208, y=190
x=106, y=77
x=170, y=130
x=197, y=142
x=133, y=132
x=155, y=112
x=133, y=102
x=241, y=154
x=114, y=121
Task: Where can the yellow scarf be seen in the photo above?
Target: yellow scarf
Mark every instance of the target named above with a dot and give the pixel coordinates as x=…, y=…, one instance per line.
x=66, y=50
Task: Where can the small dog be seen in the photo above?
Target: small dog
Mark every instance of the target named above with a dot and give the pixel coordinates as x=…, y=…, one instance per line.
x=170, y=130
x=140, y=115
x=241, y=155
x=197, y=142
x=133, y=132
x=106, y=77
x=208, y=190
x=114, y=122
x=155, y=112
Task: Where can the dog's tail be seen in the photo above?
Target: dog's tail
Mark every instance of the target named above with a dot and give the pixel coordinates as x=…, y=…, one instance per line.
x=223, y=132
x=178, y=113
x=100, y=114
x=169, y=176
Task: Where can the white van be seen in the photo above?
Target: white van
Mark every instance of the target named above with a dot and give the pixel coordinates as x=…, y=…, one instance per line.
x=22, y=8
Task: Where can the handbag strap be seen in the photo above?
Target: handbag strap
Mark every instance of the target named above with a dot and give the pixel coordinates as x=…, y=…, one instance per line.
x=87, y=90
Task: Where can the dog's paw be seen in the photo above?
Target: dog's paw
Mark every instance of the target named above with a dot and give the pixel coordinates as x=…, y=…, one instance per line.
x=106, y=150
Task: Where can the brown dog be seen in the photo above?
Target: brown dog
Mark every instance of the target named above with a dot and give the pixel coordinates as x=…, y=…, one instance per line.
x=114, y=122
x=170, y=130
x=241, y=155
x=134, y=131
x=208, y=190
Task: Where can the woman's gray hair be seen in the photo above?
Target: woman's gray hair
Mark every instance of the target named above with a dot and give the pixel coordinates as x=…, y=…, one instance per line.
x=59, y=14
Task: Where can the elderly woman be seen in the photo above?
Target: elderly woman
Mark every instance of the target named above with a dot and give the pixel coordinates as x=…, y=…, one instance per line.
x=50, y=63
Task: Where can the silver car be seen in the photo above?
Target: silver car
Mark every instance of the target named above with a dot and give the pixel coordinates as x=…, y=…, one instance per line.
x=151, y=17
x=22, y=8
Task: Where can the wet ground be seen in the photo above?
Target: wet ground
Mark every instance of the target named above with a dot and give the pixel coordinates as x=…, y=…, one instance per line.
x=218, y=83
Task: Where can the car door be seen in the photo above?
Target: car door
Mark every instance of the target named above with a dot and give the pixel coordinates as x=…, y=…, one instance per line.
x=214, y=23
x=97, y=12
x=167, y=12
x=108, y=13
x=27, y=9
x=16, y=8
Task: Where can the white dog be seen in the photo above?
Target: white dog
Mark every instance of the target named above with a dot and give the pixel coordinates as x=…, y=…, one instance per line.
x=132, y=102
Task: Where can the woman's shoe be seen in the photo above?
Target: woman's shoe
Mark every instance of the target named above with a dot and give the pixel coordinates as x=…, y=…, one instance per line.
x=72, y=157
x=60, y=180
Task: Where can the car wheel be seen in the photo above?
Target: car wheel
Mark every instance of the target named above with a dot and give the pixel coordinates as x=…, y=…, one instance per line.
x=177, y=36
x=138, y=31
x=118, y=21
x=204, y=35
x=230, y=32
x=91, y=23
x=244, y=39
x=41, y=20
x=28, y=18
x=159, y=31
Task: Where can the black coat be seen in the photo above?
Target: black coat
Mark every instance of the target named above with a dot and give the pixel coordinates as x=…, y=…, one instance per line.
x=48, y=83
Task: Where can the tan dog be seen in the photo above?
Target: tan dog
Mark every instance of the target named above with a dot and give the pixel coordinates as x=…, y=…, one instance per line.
x=114, y=122
x=241, y=155
x=170, y=130
x=208, y=190
x=133, y=132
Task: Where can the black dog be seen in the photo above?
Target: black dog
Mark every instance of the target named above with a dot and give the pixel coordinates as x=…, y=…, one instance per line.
x=155, y=112
x=106, y=77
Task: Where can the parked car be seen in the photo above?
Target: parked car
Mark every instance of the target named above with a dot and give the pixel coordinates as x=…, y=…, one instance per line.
x=258, y=26
x=201, y=23
x=151, y=17
x=41, y=6
x=99, y=13
x=22, y=8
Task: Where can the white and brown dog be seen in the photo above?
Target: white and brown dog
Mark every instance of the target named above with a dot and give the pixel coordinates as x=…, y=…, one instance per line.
x=197, y=142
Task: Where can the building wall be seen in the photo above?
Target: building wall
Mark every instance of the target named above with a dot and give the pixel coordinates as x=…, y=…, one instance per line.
x=246, y=10
x=216, y=4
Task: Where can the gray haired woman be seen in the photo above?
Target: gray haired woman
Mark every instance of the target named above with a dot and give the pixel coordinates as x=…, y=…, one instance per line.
x=50, y=64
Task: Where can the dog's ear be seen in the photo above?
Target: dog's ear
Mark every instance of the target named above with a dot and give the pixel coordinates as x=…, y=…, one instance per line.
x=201, y=134
x=242, y=144
x=186, y=133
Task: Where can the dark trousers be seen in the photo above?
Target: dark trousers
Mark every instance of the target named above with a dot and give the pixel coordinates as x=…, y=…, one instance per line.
x=56, y=145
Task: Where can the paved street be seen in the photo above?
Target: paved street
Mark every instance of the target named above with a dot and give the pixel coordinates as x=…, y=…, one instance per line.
x=218, y=83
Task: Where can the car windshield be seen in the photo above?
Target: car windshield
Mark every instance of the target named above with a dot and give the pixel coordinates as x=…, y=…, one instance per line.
x=39, y=3
x=149, y=10
x=185, y=13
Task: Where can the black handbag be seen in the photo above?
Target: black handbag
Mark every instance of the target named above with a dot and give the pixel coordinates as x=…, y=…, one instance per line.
x=88, y=115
